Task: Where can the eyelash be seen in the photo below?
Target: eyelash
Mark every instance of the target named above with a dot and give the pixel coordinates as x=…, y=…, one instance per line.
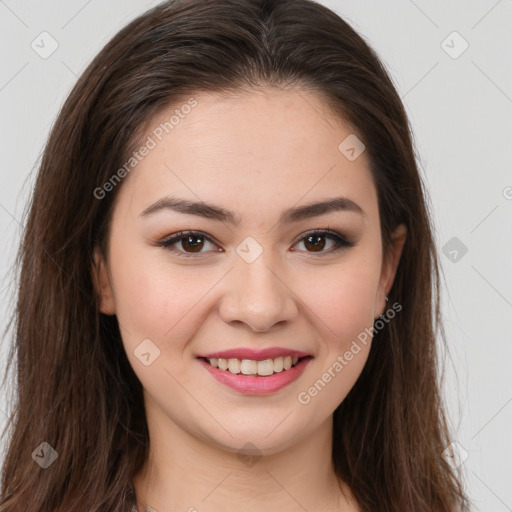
x=340, y=240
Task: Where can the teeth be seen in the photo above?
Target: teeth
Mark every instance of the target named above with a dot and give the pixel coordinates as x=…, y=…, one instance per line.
x=234, y=365
x=248, y=367
x=251, y=367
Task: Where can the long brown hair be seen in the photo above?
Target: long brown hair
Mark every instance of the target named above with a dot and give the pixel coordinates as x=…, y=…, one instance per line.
x=76, y=390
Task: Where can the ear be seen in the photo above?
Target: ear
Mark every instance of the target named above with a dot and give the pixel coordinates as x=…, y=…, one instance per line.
x=102, y=283
x=389, y=267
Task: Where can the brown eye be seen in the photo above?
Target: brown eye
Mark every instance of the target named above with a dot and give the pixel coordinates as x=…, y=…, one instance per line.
x=190, y=243
x=315, y=242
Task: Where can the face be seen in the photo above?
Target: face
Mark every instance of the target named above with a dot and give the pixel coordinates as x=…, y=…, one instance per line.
x=260, y=278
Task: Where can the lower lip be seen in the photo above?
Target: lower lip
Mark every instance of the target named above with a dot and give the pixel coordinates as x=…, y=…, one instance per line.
x=250, y=385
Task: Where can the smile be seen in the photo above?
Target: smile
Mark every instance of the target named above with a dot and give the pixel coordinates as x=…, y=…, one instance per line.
x=263, y=368
x=256, y=377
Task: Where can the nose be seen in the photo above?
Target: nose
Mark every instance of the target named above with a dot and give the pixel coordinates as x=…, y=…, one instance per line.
x=257, y=295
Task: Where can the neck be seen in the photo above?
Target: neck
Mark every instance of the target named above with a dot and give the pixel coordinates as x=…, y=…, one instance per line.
x=190, y=474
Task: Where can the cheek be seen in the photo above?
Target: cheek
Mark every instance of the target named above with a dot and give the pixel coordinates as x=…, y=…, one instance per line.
x=153, y=300
x=343, y=299
x=343, y=305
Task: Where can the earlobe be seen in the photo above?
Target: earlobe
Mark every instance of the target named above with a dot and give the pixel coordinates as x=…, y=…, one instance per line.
x=102, y=284
x=390, y=266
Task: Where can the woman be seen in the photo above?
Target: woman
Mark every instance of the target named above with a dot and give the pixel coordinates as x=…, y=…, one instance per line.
x=229, y=288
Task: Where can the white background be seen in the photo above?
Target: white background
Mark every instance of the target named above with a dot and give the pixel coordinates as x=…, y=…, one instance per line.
x=461, y=113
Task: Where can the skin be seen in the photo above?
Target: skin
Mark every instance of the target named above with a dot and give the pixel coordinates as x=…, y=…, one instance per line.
x=255, y=154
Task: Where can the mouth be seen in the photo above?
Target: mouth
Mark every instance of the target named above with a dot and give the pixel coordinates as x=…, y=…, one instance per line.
x=256, y=376
x=253, y=367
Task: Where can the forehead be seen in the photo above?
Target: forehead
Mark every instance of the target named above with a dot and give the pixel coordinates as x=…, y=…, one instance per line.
x=249, y=149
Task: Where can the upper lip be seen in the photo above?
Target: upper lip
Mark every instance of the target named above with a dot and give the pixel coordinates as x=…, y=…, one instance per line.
x=255, y=354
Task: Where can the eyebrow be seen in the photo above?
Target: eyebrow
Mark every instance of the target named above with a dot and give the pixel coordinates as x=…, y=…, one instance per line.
x=291, y=215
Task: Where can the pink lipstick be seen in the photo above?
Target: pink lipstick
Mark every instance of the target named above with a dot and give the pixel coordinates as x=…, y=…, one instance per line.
x=256, y=372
